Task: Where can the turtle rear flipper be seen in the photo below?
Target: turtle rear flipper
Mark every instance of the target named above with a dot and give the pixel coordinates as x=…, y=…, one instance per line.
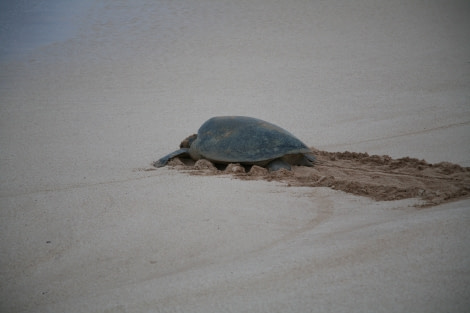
x=308, y=160
x=163, y=161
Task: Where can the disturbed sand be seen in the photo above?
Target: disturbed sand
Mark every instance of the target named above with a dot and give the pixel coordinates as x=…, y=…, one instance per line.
x=379, y=177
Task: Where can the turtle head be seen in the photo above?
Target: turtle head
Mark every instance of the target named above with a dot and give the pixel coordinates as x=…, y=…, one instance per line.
x=188, y=141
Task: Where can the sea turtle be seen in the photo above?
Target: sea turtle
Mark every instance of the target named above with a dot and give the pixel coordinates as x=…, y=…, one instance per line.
x=244, y=140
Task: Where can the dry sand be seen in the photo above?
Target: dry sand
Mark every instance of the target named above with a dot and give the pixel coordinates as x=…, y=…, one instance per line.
x=85, y=228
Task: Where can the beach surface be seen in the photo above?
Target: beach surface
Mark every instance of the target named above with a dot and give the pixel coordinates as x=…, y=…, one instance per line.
x=91, y=96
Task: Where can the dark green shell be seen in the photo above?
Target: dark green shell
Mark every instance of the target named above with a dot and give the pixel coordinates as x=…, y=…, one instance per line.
x=239, y=139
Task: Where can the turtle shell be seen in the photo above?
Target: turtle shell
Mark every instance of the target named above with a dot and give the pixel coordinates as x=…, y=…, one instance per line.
x=230, y=139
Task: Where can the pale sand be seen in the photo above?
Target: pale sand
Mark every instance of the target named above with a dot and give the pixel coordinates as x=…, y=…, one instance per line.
x=85, y=228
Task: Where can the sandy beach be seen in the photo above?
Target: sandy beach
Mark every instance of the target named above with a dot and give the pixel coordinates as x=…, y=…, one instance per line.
x=92, y=95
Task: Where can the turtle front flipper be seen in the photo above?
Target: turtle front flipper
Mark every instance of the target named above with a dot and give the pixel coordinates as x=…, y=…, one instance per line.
x=163, y=161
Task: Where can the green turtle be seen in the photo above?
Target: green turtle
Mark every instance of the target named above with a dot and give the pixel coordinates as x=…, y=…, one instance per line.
x=244, y=140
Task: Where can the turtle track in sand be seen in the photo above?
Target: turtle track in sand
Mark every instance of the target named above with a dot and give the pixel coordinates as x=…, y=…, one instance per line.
x=379, y=177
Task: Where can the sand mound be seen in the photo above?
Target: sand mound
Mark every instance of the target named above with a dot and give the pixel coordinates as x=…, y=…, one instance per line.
x=379, y=177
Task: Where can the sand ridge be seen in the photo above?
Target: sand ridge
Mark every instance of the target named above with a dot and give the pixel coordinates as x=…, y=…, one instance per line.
x=379, y=177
